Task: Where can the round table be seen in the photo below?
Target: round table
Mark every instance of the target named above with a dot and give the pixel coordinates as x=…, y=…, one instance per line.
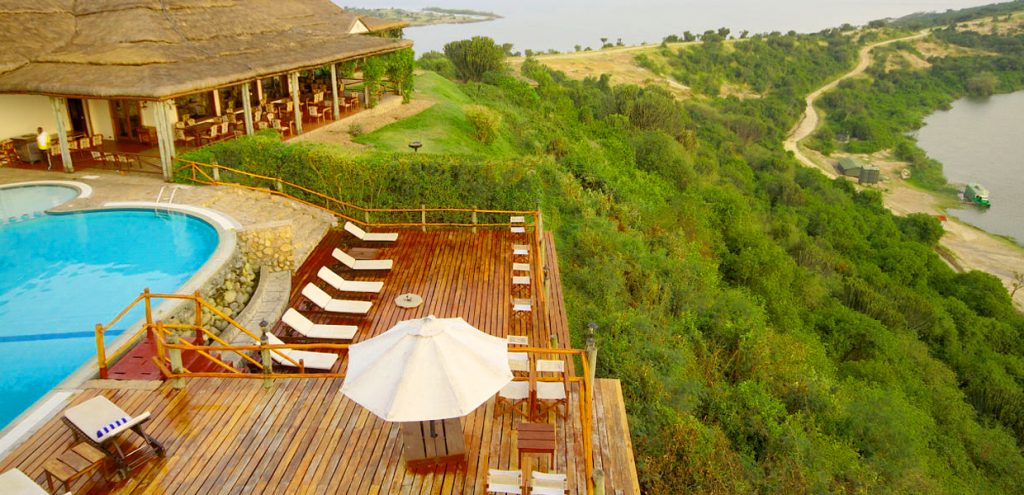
x=409, y=300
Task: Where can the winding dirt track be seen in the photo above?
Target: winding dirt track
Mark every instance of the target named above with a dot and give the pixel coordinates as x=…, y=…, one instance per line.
x=971, y=248
x=810, y=121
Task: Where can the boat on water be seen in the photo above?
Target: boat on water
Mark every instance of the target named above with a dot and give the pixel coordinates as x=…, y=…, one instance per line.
x=977, y=194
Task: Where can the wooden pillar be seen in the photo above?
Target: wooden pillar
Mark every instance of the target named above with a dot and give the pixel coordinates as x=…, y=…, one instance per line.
x=165, y=138
x=293, y=81
x=247, y=107
x=334, y=90
x=59, y=106
x=216, y=103
x=259, y=90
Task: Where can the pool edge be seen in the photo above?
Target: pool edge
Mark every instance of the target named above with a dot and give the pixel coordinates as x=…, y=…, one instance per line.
x=53, y=401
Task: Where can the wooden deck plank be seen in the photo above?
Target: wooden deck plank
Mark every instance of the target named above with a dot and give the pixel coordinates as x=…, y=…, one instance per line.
x=231, y=436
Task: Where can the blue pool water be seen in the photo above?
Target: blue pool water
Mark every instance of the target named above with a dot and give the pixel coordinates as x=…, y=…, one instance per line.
x=23, y=202
x=62, y=274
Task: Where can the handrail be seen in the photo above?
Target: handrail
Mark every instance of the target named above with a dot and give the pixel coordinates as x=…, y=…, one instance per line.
x=197, y=170
x=104, y=359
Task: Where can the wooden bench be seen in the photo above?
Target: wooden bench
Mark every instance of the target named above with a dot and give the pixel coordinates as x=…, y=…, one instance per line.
x=80, y=460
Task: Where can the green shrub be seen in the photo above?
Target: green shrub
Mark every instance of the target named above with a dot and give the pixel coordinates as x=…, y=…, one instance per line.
x=475, y=57
x=437, y=62
x=485, y=123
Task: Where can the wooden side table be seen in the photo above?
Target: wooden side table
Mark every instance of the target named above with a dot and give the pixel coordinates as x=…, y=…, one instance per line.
x=536, y=438
x=80, y=460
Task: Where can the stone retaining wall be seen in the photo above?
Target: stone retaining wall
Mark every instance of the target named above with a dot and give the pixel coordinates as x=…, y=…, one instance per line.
x=267, y=245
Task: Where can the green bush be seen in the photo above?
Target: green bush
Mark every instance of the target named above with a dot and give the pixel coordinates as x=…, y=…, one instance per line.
x=485, y=121
x=475, y=57
x=437, y=62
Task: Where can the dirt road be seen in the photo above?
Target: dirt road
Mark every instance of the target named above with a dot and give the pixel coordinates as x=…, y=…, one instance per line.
x=810, y=121
x=971, y=248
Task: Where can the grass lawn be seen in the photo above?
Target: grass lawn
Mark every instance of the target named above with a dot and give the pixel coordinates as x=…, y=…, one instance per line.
x=442, y=128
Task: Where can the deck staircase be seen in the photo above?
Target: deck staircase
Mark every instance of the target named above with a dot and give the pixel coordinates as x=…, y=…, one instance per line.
x=137, y=363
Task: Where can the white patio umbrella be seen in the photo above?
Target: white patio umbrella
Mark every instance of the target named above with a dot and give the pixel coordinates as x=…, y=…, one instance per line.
x=426, y=369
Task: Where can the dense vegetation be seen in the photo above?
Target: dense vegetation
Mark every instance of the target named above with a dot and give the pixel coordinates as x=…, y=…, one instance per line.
x=774, y=331
x=875, y=113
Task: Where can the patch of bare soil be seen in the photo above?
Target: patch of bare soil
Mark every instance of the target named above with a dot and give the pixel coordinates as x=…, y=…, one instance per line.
x=930, y=48
x=1001, y=25
x=387, y=112
x=619, y=63
x=741, y=91
x=904, y=60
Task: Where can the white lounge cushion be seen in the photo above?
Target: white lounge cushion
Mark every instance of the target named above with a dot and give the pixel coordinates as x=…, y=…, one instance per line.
x=520, y=280
x=551, y=390
x=101, y=419
x=355, y=264
x=520, y=267
x=339, y=282
x=518, y=340
x=307, y=328
x=519, y=361
x=515, y=390
x=518, y=230
x=548, y=483
x=517, y=219
x=500, y=481
x=520, y=249
x=327, y=303
x=310, y=359
x=363, y=235
x=15, y=482
x=520, y=305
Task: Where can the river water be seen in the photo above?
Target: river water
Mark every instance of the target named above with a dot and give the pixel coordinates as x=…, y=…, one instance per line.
x=561, y=24
x=983, y=141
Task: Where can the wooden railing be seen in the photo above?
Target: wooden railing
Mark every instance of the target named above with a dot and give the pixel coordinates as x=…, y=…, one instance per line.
x=170, y=347
x=211, y=174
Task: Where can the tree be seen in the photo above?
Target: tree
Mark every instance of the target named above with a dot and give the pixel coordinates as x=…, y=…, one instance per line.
x=1018, y=282
x=982, y=84
x=724, y=32
x=689, y=37
x=474, y=57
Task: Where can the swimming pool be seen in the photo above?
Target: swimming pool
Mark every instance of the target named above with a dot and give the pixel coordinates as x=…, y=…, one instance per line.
x=20, y=203
x=61, y=274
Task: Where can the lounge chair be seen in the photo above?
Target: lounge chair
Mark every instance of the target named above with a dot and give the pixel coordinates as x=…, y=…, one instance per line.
x=515, y=396
x=548, y=483
x=550, y=395
x=339, y=283
x=324, y=300
x=311, y=360
x=365, y=236
x=100, y=421
x=354, y=264
x=500, y=481
x=298, y=322
x=15, y=482
x=518, y=340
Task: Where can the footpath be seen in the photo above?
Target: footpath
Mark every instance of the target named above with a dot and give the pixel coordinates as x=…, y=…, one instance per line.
x=963, y=246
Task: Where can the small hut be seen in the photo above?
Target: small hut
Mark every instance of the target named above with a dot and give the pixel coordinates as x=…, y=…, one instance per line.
x=850, y=166
x=870, y=175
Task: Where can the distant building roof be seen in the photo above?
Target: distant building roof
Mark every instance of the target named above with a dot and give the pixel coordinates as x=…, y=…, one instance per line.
x=156, y=49
x=850, y=166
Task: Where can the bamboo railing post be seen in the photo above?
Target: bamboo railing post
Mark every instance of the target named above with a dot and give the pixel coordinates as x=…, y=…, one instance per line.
x=216, y=171
x=474, y=219
x=101, y=351
x=174, y=354
x=149, y=306
x=591, y=356
x=599, y=482
x=366, y=217
x=199, y=315
x=423, y=217
x=268, y=363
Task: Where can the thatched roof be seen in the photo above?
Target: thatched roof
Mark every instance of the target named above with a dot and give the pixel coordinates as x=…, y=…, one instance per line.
x=160, y=48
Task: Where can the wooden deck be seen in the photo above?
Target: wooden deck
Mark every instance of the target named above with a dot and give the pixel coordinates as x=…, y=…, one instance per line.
x=303, y=436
